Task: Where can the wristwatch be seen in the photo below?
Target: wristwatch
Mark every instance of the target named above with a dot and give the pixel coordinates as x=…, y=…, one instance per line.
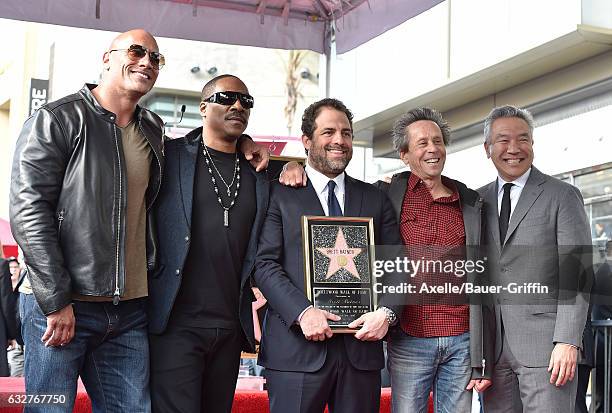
x=391, y=317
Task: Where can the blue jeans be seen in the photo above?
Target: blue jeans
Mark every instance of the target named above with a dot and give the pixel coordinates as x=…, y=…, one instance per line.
x=110, y=351
x=420, y=365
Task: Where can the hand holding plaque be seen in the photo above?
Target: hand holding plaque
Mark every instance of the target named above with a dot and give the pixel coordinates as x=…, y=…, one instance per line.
x=315, y=326
x=338, y=267
x=374, y=326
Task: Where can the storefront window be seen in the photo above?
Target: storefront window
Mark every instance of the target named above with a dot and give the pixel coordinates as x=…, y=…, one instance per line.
x=595, y=183
x=168, y=107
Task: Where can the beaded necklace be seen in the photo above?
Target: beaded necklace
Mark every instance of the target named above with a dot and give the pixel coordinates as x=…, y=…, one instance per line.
x=235, y=178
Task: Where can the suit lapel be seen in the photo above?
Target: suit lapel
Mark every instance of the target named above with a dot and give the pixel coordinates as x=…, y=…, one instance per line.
x=490, y=198
x=187, y=167
x=530, y=193
x=397, y=191
x=352, y=198
x=262, y=189
x=310, y=200
x=262, y=186
x=471, y=218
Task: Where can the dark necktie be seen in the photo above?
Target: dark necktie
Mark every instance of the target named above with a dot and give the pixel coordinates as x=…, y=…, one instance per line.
x=333, y=206
x=504, y=214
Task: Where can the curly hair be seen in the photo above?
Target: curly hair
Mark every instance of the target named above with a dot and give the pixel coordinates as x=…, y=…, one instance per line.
x=398, y=133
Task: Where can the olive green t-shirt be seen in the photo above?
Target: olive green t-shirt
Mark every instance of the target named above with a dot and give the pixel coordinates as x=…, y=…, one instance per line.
x=138, y=156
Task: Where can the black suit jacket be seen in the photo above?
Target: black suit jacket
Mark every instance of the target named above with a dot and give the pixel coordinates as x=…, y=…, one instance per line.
x=279, y=273
x=173, y=211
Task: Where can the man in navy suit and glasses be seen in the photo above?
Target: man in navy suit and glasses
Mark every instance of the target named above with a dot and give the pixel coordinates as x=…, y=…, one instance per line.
x=307, y=366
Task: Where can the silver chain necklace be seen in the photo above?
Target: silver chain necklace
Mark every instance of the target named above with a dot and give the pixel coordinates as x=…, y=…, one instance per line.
x=235, y=178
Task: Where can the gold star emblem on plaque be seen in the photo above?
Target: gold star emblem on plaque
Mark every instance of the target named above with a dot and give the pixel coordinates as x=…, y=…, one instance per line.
x=341, y=256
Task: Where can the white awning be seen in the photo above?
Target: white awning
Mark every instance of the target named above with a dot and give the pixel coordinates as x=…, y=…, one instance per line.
x=283, y=24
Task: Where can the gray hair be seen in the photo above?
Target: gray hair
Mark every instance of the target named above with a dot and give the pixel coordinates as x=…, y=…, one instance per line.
x=507, y=111
x=398, y=133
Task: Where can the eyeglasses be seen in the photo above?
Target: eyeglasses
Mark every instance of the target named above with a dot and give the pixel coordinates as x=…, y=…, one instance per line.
x=229, y=98
x=137, y=52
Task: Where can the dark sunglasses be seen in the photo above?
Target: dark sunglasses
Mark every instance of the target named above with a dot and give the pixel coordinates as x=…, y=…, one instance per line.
x=229, y=98
x=137, y=52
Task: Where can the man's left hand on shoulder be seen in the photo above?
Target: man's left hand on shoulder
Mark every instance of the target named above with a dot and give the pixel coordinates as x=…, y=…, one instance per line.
x=374, y=326
x=256, y=154
x=562, y=364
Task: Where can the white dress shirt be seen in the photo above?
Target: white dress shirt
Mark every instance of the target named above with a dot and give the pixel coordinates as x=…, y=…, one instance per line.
x=319, y=183
x=515, y=192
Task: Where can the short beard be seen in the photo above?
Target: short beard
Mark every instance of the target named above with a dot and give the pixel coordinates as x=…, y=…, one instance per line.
x=318, y=160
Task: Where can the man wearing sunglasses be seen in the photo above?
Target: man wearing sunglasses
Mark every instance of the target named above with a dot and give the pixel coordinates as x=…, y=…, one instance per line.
x=209, y=214
x=86, y=171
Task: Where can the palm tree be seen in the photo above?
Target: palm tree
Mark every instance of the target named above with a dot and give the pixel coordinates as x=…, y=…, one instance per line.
x=292, y=83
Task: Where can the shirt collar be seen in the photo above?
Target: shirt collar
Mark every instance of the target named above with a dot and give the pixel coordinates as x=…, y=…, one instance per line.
x=415, y=180
x=450, y=184
x=319, y=181
x=521, y=181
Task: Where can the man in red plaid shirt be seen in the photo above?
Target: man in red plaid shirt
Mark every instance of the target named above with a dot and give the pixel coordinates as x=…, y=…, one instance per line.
x=442, y=343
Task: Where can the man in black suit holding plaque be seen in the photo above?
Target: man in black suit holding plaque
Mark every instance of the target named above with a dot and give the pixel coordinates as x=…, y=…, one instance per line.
x=307, y=365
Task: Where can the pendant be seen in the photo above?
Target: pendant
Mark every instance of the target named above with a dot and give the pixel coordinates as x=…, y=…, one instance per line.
x=228, y=192
x=226, y=217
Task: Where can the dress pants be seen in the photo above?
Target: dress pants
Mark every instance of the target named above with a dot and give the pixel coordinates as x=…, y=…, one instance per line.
x=517, y=388
x=337, y=383
x=583, y=374
x=194, y=369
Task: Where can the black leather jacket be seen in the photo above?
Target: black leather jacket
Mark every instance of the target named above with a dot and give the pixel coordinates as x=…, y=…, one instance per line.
x=68, y=198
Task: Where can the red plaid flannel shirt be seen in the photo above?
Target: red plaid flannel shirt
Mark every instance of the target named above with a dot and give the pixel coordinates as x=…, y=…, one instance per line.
x=427, y=222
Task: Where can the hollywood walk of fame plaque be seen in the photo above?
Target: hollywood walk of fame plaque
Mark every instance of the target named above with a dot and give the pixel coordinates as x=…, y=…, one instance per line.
x=338, y=261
